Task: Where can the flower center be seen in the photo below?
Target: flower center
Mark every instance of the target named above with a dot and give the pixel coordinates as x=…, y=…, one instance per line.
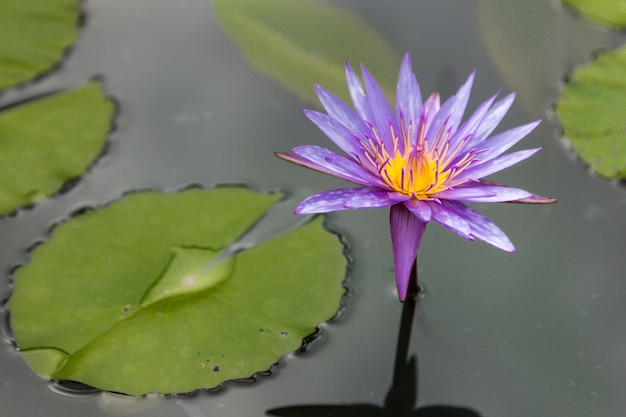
x=414, y=172
x=418, y=167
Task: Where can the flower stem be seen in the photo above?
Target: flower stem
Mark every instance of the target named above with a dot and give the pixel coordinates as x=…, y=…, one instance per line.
x=414, y=288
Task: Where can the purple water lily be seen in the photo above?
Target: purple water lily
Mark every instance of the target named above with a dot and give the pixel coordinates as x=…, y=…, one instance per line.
x=421, y=161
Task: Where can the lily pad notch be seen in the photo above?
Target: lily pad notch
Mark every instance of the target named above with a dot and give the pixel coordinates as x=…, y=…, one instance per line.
x=120, y=298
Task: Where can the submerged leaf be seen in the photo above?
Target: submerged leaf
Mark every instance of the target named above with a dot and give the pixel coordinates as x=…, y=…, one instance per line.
x=135, y=300
x=302, y=43
x=592, y=110
x=33, y=36
x=611, y=13
x=49, y=141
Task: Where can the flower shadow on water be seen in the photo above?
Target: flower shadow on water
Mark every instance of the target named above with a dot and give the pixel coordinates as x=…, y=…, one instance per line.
x=402, y=396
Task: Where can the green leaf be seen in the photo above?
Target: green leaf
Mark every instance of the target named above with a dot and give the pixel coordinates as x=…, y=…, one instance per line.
x=33, y=36
x=48, y=141
x=134, y=298
x=611, y=13
x=302, y=43
x=591, y=108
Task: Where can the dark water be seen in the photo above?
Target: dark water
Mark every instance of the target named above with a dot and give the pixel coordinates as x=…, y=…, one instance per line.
x=538, y=333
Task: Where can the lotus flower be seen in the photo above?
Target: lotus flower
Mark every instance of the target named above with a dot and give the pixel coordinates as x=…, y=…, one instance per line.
x=422, y=161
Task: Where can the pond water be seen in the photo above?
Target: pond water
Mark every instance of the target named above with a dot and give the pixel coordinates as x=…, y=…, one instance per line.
x=538, y=333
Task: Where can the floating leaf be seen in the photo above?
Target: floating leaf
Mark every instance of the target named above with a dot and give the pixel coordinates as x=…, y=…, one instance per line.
x=132, y=297
x=33, y=36
x=302, y=43
x=611, y=13
x=48, y=141
x=592, y=110
x=531, y=45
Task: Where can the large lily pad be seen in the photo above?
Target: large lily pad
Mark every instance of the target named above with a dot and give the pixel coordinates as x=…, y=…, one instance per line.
x=33, y=36
x=48, y=141
x=611, y=13
x=132, y=297
x=592, y=110
x=304, y=42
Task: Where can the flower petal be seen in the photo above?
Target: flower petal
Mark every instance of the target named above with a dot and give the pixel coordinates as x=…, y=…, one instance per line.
x=468, y=128
x=332, y=200
x=408, y=95
x=450, y=219
x=452, y=110
x=326, y=161
x=359, y=100
x=419, y=208
x=374, y=199
x=502, y=142
x=482, y=228
x=383, y=116
x=340, y=111
x=478, y=193
x=490, y=122
x=495, y=165
x=430, y=109
x=406, y=234
x=336, y=131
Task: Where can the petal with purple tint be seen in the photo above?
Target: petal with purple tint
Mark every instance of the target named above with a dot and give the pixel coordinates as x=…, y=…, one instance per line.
x=472, y=123
x=406, y=234
x=495, y=165
x=374, y=199
x=450, y=219
x=361, y=104
x=340, y=111
x=420, y=208
x=336, y=131
x=408, y=95
x=491, y=121
x=328, y=162
x=332, y=200
x=430, y=109
x=482, y=228
x=478, y=193
x=534, y=199
x=452, y=110
x=384, y=119
x=502, y=142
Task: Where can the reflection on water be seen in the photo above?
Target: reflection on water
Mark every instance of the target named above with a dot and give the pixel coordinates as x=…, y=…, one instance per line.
x=402, y=395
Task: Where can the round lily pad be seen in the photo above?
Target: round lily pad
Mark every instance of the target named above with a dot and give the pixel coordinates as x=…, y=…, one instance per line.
x=33, y=36
x=591, y=109
x=48, y=141
x=301, y=43
x=135, y=297
x=611, y=13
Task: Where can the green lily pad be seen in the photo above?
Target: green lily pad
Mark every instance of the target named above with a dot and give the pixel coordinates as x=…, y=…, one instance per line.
x=49, y=141
x=134, y=297
x=33, y=36
x=302, y=43
x=611, y=13
x=591, y=109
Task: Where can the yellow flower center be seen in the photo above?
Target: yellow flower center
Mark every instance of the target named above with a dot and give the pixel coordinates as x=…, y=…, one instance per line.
x=419, y=170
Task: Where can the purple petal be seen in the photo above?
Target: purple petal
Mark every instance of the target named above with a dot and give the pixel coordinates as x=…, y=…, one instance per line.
x=420, y=208
x=374, y=199
x=534, y=199
x=429, y=109
x=495, y=165
x=361, y=104
x=326, y=161
x=482, y=228
x=450, y=219
x=381, y=111
x=472, y=123
x=406, y=233
x=340, y=111
x=336, y=131
x=408, y=95
x=452, y=110
x=490, y=121
x=484, y=193
x=500, y=143
x=332, y=200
